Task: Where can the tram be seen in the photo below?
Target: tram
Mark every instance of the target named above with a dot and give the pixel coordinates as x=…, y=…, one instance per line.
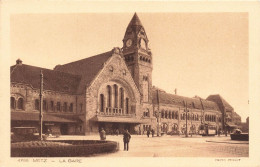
x=207, y=130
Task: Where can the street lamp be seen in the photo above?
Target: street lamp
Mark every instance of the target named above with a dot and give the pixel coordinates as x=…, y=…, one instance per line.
x=158, y=122
x=186, y=111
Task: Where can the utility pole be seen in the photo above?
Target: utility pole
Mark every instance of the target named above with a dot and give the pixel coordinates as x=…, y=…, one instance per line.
x=186, y=111
x=191, y=123
x=41, y=105
x=158, y=114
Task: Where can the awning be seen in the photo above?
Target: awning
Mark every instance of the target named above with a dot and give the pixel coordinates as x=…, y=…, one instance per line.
x=118, y=119
x=231, y=125
x=24, y=116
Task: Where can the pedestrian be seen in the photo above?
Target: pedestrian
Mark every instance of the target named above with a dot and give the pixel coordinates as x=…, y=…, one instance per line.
x=126, y=139
x=152, y=133
x=117, y=132
x=102, y=134
x=148, y=133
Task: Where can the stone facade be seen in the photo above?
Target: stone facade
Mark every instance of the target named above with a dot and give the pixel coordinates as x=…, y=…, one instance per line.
x=112, y=90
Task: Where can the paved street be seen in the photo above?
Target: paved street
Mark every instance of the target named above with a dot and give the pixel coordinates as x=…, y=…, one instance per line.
x=175, y=146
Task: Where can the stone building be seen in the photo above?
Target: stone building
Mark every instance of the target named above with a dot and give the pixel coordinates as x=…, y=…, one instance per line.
x=112, y=90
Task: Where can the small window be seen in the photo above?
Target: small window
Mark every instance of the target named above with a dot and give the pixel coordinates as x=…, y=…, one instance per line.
x=37, y=105
x=58, y=106
x=81, y=107
x=65, y=107
x=52, y=105
x=20, y=103
x=71, y=107
x=12, y=103
x=44, y=105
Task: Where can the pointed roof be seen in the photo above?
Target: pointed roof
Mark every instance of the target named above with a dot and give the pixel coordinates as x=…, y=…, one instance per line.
x=220, y=101
x=135, y=21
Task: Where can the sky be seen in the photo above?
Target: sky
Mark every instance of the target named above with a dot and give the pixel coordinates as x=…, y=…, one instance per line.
x=196, y=53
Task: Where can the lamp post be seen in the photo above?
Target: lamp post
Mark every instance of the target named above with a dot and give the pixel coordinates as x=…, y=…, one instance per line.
x=41, y=104
x=158, y=114
x=186, y=111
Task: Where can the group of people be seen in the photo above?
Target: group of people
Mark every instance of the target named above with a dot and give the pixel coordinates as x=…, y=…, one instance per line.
x=148, y=132
x=126, y=138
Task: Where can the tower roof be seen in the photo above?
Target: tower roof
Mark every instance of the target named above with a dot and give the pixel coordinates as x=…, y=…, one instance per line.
x=135, y=21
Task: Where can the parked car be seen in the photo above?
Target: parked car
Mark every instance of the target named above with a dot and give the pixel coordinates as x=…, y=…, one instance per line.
x=25, y=134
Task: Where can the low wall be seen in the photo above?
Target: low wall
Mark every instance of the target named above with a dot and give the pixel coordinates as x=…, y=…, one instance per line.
x=62, y=148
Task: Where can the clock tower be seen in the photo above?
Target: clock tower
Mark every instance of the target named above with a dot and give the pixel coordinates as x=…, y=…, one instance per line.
x=138, y=57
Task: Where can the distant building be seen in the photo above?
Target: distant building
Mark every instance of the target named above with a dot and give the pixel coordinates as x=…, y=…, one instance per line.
x=112, y=90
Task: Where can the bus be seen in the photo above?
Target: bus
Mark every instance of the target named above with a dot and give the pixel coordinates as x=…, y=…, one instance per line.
x=207, y=130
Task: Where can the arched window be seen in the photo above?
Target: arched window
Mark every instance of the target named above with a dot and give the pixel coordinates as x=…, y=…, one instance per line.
x=145, y=89
x=162, y=114
x=102, y=103
x=20, y=103
x=121, y=98
x=12, y=103
x=52, y=105
x=166, y=114
x=176, y=115
x=116, y=96
x=65, y=107
x=127, y=105
x=170, y=115
x=109, y=96
x=71, y=107
x=44, y=105
x=37, y=105
x=58, y=106
x=188, y=116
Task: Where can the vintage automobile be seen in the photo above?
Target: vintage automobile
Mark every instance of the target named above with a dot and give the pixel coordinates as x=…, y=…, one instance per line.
x=25, y=134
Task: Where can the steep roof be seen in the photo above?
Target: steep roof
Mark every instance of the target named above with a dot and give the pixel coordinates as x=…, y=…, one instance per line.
x=88, y=68
x=197, y=103
x=135, y=21
x=220, y=101
x=53, y=80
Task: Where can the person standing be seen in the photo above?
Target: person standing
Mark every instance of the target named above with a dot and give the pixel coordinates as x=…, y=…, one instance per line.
x=148, y=132
x=102, y=134
x=152, y=133
x=126, y=139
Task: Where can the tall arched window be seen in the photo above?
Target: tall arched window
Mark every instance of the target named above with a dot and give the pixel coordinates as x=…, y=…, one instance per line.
x=20, y=103
x=176, y=115
x=166, y=114
x=127, y=105
x=44, y=105
x=58, y=106
x=12, y=103
x=145, y=89
x=71, y=107
x=37, y=105
x=102, y=103
x=121, y=98
x=170, y=115
x=116, y=96
x=162, y=116
x=65, y=107
x=109, y=96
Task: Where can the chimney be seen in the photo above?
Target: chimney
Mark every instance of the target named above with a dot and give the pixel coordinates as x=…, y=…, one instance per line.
x=19, y=62
x=175, y=91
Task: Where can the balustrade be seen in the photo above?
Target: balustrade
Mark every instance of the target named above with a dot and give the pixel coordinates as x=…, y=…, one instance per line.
x=114, y=112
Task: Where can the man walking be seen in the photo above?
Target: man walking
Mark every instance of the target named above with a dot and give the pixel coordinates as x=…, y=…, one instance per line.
x=126, y=139
x=102, y=134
